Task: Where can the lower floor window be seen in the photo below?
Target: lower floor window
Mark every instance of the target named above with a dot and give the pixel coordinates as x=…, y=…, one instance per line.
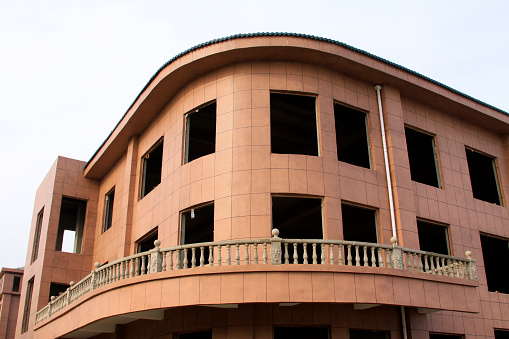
x=301, y=332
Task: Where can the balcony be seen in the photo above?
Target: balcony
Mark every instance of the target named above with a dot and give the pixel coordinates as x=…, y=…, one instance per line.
x=434, y=281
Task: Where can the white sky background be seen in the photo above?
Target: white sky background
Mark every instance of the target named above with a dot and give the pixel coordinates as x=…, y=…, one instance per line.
x=70, y=69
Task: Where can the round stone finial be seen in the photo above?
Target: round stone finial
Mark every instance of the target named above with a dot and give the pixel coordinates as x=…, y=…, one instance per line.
x=97, y=264
x=53, y=298
x=275, y=232
x=157, y=243
x=71, y=283
x=394, y=241
x=468, y=254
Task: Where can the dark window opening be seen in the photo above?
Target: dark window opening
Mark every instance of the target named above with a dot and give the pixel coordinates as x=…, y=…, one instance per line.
x=56, y=290
x=501, y=334
x=197, y=227
x=196, y=335
x=37, y=235
x=152, y=169
x=293, y=127
x=301, y=332
x=483, y=177
x=422, y=157
x=298, y=218
x=359, y=224
x=108, y=209
x=28, y=303
x=15, y=283
x=433, y=237
x=495, y=251
x=146, y=243
x=444, y=336
x=352, y=136
x=200, y=137
x=71, y=225
x=366, y=334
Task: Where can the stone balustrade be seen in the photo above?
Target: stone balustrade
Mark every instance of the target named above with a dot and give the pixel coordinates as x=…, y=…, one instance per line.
x=276, y=251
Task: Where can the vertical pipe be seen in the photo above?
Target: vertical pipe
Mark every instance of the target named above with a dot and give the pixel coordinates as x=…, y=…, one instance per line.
x=403, y=322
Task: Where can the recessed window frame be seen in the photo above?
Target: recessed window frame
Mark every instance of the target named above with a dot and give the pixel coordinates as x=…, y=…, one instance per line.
x=188, y=127
x=25, y=323
x=317, y=121
x=447, y=232
x=367, y=127
x=37, y=235
x=143, y=169
x=376, y=212
x=79, y=230
x=497, y=276
x=150, y=234
x=496, y=175
x=109, y=200
x=182, y=229
x=436, y=156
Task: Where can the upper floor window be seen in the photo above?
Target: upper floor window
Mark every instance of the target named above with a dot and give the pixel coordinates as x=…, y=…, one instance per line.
x=422, y=156
x=483, y=177
x=197, y=226
x=352, y=136
x=152, y=165
x=108, y=209
x=146, y=242
x=200, y=133
x=433, y=237
x=71, y=225
x=293, y=124
x=15, y=283
x=495, y=251
x=28, y=303
x=37, y=235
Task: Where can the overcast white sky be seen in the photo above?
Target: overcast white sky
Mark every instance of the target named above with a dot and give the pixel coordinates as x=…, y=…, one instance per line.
x=70, y=69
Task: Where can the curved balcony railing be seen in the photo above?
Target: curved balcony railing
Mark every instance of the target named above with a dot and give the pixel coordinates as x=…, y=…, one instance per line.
x=274, y=251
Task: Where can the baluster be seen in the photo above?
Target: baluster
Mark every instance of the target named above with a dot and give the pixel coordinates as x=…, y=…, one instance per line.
x=373, y=257
x=426, y=266
x=237, y=254
x=462, y=269
x=331, y=254
x=211, y=256
x=419, y=263
x=246, y=259
x=432, y=265
x=357, y=257
x=117, y=269
x=415, y=262
x=438, y=268
x=228, y=256
x=164, y=261
x=127, y=272
x=295, y=255
x=388, y=261
x=143, y=265
x=322, y=254
x=219, y=259
x=380, y=257
x=202, y=256
x=287, y=256
x=340, y=254
x=255, y=249
x=456, y=268
x=450, y=268
x=365, y=253
x=265, y=253
x=186, y=261
x=305, y=254
x=109, y=280
x=112, y=274
x=314, y=256
x=178, y=259
x=122, y=268
x=193, y=257
x=444, y=268
x=170, y=263
x=349, y=254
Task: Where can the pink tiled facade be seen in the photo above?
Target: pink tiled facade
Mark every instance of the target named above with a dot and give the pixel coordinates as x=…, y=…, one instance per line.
x=10, y=290
x=242, y=176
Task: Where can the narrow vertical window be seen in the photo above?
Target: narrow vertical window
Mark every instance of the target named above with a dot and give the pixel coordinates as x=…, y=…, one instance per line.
x=359, y=224
x=483, y=177
x=15, y=283
x=152, y=165
x=28, y=303
x=37, y=235
x=200, y=133
x=352, y=136
x=495, y=251
x=108, y=209
x=422, y=157
x=293, y=124
x=71, y=225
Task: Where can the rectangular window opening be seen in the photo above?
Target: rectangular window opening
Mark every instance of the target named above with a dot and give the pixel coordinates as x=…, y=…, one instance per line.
x=298, y=218
x=495, y=251
x=15, y=283
x=501, y=334
x=483, y=177
x=301, y=332
x=71, y=225
x=359, y=224
x=200, y=133
x=152, y=164
x=28, y=303
x=56, y=289
x=444, y=336
x=352, y=137
x=197, y=226
x=293, y=124
x=146, y=243
x=196, y=335
x=37, y=235
x=108, y=209
x=367, y=334
x=422, y=157
x=433, y=237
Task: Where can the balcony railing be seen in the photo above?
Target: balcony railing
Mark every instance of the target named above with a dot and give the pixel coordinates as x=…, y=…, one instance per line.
x=276, y=251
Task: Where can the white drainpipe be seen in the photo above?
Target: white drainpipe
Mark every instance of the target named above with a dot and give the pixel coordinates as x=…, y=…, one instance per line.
x=378, y=88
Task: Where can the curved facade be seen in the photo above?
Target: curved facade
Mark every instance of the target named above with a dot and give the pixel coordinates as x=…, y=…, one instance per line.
x=243, y=135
